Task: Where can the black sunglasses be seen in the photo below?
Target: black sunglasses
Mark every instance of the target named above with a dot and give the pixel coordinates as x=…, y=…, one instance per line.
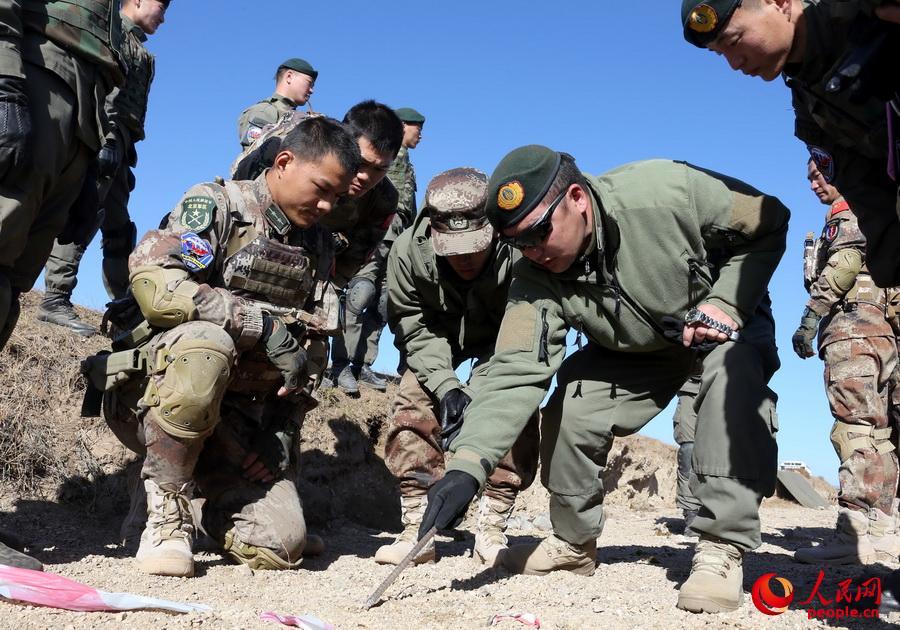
x=537, y=231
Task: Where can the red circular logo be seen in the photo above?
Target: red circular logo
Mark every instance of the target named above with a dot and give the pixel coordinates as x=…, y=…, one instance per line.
x=768, y=602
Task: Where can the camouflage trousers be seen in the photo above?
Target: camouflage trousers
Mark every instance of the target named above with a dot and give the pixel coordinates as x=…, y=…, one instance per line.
x=413, y=451
x=245, y=411
x=860, y=376
x=114, y=223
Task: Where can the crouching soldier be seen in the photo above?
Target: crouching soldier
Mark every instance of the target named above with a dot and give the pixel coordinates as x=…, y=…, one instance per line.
x=214, y=388
x=447, y=282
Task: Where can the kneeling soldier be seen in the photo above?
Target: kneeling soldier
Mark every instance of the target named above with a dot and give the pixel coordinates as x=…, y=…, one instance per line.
x=229, y=285
x=447, y=283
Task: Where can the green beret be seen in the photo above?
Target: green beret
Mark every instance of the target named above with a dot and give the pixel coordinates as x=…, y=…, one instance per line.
x=703, y=21
x=519, y=183
x=302, y=66
x=410, y=116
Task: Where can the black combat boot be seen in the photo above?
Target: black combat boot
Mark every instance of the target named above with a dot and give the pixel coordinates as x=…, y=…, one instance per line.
x=370, y=379
x=345, y=379
x=57, y=309
x=13, y=558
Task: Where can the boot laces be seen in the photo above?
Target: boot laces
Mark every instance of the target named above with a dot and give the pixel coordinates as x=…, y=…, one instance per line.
x=712, y=557
x=176, y=517
x=491, y=523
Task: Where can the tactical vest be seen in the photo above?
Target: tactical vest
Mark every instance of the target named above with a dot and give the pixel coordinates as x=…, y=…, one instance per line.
x=91, y=29
x=131, y=100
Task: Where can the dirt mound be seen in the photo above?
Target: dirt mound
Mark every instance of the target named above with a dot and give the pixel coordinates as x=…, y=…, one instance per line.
x=48, y=450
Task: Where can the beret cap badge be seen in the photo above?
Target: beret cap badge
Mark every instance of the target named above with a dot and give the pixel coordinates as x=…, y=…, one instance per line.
x=703, y=19
x=510, y=195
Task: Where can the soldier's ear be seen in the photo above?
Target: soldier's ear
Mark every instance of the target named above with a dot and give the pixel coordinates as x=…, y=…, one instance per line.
x=282, y=160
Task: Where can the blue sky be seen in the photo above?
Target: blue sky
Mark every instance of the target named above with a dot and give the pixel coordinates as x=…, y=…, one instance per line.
x=607, y=82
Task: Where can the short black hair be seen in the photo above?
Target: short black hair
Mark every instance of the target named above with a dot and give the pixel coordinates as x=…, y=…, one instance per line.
x=280, y=72
x=378, y=123
x=568, y=174
x=314, y=138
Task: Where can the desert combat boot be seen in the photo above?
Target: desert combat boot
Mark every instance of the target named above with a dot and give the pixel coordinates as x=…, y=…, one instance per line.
x=165, y=547
x=490, y=539
x=551, y=554
x=850, y=544
x=884, y=532
x=57, y=309
x=412, y=509
x=716, y=576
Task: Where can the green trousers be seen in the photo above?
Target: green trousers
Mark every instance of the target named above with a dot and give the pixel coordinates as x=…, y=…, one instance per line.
x=34, y=208
x=602, y=394
x=359, y=342
x=118, y=239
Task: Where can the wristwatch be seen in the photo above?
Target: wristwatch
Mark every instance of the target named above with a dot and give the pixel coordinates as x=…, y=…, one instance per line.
x=696, y=316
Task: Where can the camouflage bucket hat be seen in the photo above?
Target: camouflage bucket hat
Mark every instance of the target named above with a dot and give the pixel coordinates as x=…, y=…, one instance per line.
x=455, y=202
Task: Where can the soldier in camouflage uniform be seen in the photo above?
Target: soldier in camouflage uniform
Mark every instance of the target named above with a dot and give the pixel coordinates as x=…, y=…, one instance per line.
x=214, y=390
x=648, y=322
x=354, y=352
x=57, y=61
x=806, y=42
x=294, y=83
x=855, y=322
x=361, y=220
x=125, y=110
x=448, y=278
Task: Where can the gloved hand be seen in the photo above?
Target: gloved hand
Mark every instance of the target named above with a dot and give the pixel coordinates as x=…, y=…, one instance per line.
x=452, y=406
x=284, y=352
x=270, y=454
x=15, y=128
x=448, y=500
x=806, y=334
x=109, y=158
x=339, y=242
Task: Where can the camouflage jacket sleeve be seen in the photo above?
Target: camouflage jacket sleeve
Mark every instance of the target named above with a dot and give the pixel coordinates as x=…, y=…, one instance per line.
x=11, y=38
x=416, y=331
x=834, y=281
x=169, y=247
x=750, y=227
x=367, y=234
x=526, y=357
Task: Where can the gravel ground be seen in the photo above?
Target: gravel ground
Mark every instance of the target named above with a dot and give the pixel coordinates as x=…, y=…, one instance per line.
x=641, y=565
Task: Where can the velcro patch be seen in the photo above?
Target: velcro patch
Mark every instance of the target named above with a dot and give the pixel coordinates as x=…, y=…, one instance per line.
x=517, y=331
x=196, y=252
x=278, y=220
x=197, y=213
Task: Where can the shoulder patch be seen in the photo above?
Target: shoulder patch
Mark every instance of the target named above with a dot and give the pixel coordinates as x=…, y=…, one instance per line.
x=831, y=231
x=196, y=252
x=197, y=212
x=277, y=220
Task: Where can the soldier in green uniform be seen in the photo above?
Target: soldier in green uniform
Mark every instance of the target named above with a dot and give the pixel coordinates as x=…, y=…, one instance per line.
x=355, y=351
x=214, y=387
x=294, y=83
x=448, y=278
x=57, y=60
x=125, y=110
x=624, y=258
x=845, y=131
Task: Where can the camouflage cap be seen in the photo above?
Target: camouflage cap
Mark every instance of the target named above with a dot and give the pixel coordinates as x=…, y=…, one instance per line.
x=703, y=21
x=300, y=65
x=519, y=183
x=410, y=116
x=455, y=204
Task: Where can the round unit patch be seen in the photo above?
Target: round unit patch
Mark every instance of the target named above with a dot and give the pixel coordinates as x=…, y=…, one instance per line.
x=703, y=19
x=510, y=195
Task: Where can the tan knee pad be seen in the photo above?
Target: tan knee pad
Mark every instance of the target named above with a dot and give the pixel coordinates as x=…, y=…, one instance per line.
x=257, y=558
x=187, y=401
x=864, y=436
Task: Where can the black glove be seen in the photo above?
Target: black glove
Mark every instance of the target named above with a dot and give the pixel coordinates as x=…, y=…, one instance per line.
x=453, y=404
x=274, y=448
x=109, y=158
x=806, y=334
x=15, y=128
x=448, y=501
x=284, y=351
